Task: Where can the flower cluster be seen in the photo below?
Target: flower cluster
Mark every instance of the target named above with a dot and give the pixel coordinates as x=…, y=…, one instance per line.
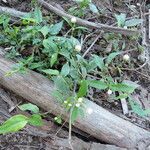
x=79, y=102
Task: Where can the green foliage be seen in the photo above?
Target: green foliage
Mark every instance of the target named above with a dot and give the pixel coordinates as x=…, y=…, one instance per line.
x=13, y=124
x=99, y=84
x=125, y=86
x=82, y=6
x=83, y=89
x=93, y=8
x=111, y=57
x=58, y=119
x=54, y=54
x=51, y=72
x=30, y=107
x=138, y=109
x=133, y=22
x=18, y=122
x=35, y=120
x=120, y=19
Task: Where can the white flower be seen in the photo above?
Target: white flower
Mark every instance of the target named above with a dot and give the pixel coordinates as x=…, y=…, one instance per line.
x=126, y=57
x=55, y=118
x=69, y=104
x=125, y=27
x=78, y=48
x=73, y=20
x=138, y=4
x=65, y=102
x=80, y=100
x=89, y=111
x=77, y=104
x=109, y=92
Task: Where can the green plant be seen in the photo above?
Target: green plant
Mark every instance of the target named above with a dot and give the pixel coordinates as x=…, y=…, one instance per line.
x=18, y=122
x=82, y=6
x=48, y=50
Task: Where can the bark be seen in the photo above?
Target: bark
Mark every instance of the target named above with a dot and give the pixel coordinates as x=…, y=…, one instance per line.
x=101, y=124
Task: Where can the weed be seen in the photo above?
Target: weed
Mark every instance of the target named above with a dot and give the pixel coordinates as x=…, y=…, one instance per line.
x=43, y=48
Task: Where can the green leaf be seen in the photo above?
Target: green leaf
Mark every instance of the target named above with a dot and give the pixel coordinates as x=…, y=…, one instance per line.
x=50, y=45
x=83, y=71
x=65, y=70
x=58, y=119
x=91, y=66
x=31, y=107
x=55, y=29
x=120, y=19
x=38, y=15
x=61, y=84
x=35, y=65
x=133, y=22
x=44, y=30
x=136, y=108
x=124, y=87
x=83, y=89
x=51, y=72
x=97, y=84
x=147, y=112
x=13, y=124
x=121, y=96
x=99, y=61
x=111, y=57
x=75, y=114
x=93, y=8
x=74, y=73
x=58, y=95
x=54, y=59
x=131, y=84
x=35, y=120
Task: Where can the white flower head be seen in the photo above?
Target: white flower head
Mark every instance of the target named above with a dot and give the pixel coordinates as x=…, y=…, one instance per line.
x=73, y=20
x=69, y=104
x=55, y=118
x=138, y=4
x=80, y=100
x=78, y=48
x=77, y=104
x=109, y=92
x=65, y=102
x=89, y=111
x=126, y=57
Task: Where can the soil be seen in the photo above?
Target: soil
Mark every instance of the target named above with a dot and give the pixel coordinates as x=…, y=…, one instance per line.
x=32, y=138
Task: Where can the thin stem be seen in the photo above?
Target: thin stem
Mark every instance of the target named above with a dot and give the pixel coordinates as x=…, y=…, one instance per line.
x=87, y=51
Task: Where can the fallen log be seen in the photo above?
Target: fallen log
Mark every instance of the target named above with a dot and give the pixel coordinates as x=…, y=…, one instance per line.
x=49, y=130
x=101, y=124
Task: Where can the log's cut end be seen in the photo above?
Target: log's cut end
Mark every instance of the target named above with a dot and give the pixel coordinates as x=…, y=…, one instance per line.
x=98, y=122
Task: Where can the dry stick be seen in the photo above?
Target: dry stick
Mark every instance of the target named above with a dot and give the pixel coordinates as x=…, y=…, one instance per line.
x=15, y=13
x=87, y=23
x=92, y=45
x=12, y=12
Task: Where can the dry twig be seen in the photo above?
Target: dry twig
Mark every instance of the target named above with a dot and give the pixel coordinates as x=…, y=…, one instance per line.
x=87, y=23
